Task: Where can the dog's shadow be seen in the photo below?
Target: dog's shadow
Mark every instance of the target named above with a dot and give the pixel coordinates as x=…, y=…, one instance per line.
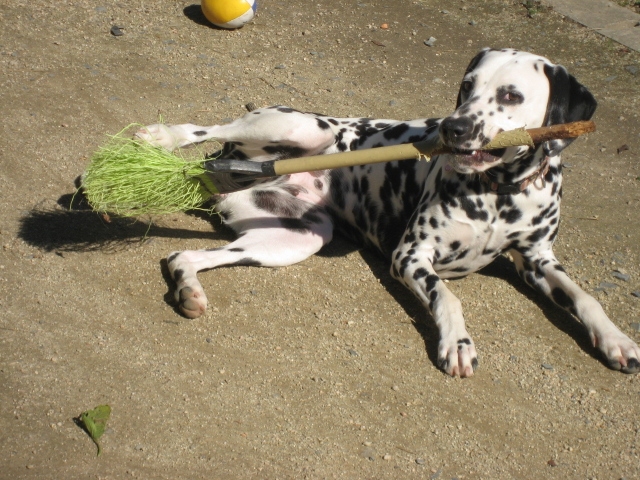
x=501, y=268
x=73, y=227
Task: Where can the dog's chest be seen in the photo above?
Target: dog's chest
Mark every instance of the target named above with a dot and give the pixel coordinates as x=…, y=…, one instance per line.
x=469, y=230
x=456, y=220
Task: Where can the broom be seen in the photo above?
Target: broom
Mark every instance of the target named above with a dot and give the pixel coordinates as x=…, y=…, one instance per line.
x=129, y=177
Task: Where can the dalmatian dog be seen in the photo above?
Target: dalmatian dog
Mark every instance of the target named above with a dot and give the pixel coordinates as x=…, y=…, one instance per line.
x=432, y=221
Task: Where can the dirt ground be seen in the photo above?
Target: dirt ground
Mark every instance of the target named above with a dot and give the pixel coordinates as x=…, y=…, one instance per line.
x=320, y=370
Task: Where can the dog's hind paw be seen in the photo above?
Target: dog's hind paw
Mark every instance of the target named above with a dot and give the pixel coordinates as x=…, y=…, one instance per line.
x=192, y=303
x=160, y=135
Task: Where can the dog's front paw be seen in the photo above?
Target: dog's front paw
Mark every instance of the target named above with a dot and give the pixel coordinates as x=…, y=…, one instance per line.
x=160, y=135
x=621, y=352
x=458, y=357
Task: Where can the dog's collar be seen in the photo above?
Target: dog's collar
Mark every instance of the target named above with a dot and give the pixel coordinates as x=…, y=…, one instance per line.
x=522, y=185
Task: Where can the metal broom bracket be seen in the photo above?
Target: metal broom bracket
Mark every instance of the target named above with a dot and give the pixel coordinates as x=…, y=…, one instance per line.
x=229, y=175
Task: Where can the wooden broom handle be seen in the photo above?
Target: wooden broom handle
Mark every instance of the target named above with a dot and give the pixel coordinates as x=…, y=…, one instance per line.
x=563, y=130
x=419, y=150
x=533, y=136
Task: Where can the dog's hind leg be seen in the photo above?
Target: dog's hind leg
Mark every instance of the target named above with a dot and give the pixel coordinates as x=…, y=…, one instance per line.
x=260, y=134
x=263, y=242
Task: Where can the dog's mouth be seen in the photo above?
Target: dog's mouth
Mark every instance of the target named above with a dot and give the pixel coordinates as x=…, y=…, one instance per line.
x=467, y=161
x=478, y=157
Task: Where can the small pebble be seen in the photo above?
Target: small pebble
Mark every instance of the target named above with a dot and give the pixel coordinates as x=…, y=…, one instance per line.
x=546, y=366
x=368, y=453
x=431, y=42
x=116, y=31
x=632, y=69
x=635, y=326
x=621, y=276
x=636, y=293
x=420, y=461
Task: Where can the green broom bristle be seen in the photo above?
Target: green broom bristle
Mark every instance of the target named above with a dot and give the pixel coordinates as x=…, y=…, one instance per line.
x=130, y=177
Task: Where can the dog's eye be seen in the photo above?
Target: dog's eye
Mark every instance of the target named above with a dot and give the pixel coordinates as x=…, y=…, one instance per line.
x=466, y=86
x=513, y=97
x=508, y=96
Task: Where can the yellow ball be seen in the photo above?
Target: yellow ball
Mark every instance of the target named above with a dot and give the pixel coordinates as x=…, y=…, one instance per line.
x=229, y=13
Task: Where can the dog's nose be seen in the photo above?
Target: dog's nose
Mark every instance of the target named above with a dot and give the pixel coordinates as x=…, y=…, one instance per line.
x=456, y=130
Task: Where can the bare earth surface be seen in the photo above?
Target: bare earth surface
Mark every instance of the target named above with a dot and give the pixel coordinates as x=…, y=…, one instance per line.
x=323, y=369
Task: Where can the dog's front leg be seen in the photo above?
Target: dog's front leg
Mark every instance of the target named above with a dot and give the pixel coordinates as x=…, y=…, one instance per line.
x=412, y=265
x=542, y=271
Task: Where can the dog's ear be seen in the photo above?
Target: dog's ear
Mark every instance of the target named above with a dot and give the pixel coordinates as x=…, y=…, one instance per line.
x=472, y=65
x=569, y=101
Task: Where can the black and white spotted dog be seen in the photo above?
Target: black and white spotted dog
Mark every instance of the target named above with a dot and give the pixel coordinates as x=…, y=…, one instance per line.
x=436, y=220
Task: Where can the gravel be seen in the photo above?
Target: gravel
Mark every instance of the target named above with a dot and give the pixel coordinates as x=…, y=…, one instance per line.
x=87, y=313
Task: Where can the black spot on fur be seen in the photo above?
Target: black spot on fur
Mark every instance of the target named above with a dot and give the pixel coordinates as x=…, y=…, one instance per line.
x=178, y=274
x=285, y=151
x=420, y=273
x=277, y=203
x=322, y=124
x=431, y=281
x=537, y=235
x=511, y=216
x=247, y=262
x=472, y=211
x=396, y=132
x=563, y=300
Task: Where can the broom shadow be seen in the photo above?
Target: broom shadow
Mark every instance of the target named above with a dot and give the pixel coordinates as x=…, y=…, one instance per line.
x=72, y=226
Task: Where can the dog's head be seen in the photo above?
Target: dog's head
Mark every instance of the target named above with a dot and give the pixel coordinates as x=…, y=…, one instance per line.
x=508, y=89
